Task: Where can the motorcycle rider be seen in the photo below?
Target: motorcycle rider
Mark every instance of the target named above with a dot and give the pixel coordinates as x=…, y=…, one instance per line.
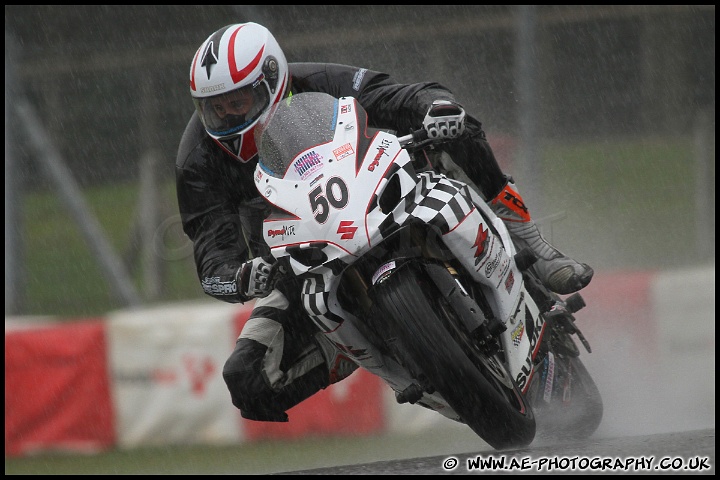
x=236, y=75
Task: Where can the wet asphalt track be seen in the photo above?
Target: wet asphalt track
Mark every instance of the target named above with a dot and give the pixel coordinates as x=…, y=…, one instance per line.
x=654, y=383
x=692, y=451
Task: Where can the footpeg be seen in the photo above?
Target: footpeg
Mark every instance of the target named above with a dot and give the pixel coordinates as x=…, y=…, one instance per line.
x=574, y=302
x=495, y=326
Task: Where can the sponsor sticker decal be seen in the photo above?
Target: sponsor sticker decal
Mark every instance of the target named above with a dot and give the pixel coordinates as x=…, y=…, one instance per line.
x=344, y=151
x=308, y=164
x=383, y=272
x=517, y=334
x=510, y=281
x=381, y=151
x=282, y=232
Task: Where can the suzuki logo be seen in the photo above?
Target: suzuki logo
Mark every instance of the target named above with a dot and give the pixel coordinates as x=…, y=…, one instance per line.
x=346, y=230
x=480, y=242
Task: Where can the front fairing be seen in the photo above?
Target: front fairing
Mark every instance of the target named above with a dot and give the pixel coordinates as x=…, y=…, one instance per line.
x=323, y=170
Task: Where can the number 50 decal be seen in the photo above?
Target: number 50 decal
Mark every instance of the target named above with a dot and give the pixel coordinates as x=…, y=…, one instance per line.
x=335, y=195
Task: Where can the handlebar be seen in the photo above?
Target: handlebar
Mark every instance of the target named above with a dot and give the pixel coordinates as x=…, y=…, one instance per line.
x=416, y=139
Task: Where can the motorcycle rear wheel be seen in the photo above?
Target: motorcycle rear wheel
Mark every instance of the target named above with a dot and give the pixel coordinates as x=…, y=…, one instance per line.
x=435, y=341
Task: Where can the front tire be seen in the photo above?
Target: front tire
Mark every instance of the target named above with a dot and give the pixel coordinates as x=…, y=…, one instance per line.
x=429, y=337
x=575, y=409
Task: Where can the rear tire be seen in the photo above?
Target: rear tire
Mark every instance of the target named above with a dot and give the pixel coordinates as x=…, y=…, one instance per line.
x=428, y=336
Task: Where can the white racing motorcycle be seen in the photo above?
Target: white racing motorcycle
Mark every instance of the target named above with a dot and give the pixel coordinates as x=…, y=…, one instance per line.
x=415, y=279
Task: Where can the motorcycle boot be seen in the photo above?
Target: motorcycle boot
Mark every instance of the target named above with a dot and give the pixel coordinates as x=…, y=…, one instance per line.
x=558, y=272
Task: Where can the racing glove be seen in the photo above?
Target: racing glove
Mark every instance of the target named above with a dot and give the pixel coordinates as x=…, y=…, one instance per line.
x=254, y=278
x=444, y=120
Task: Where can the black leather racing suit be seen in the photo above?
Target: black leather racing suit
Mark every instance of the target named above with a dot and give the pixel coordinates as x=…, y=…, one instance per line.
x=217, y=195
x=222, y=214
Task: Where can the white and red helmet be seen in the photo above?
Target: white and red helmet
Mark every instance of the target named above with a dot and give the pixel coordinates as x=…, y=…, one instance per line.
x=241, y=58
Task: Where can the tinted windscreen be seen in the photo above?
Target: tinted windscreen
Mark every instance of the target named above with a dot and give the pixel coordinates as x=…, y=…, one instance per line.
x=294, y=125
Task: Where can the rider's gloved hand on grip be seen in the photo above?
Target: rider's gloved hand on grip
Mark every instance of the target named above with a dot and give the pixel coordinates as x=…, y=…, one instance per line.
x=254, y=279
x=444, y=120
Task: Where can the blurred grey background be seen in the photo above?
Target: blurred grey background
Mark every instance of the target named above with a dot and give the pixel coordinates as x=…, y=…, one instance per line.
x=605, y=115
x=111, y=81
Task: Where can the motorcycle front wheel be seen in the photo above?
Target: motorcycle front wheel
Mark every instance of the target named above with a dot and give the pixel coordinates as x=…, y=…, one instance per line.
x=575, y=409
x=429, y=334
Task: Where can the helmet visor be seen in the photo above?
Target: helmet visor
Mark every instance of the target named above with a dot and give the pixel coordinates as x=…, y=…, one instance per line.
x=232, y=112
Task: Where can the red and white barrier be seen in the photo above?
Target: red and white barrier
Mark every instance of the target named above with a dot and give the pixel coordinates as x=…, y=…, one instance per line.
x=166, y=365
x=153, y=377
x=57, y=388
